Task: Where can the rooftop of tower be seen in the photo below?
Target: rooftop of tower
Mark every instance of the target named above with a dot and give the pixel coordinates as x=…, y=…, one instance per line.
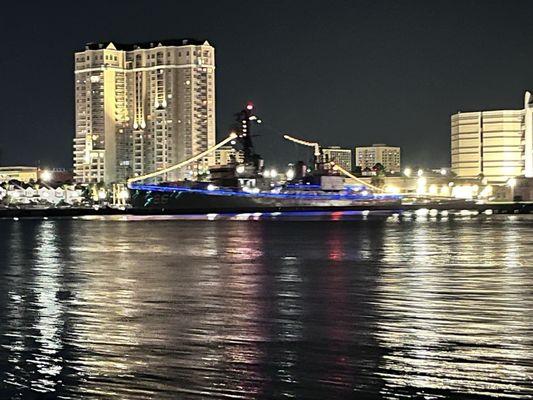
x=145, y=45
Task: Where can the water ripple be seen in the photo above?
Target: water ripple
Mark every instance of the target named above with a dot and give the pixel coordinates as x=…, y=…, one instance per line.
x=227, y=309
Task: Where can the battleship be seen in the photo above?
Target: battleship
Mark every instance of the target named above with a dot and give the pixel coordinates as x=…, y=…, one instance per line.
x=245, y=186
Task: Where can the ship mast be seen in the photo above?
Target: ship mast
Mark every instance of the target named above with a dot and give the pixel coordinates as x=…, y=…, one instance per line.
x=243, y=128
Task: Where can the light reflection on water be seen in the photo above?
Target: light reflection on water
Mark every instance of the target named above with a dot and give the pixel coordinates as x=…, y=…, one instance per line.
x=174, y=308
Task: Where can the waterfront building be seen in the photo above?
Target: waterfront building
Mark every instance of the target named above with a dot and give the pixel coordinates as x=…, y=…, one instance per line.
x=495, y=145
x=226, y=155
x=388, y=156
x=142, y=107
x=19, y=173
x=340, y=156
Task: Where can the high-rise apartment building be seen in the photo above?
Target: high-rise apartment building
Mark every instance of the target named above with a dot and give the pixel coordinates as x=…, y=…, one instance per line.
x=338, y=155
x=388, y=156
x=497, y=145
x=142, y=107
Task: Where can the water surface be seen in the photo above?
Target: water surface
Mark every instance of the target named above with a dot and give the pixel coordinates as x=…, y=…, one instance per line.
x=310, y=309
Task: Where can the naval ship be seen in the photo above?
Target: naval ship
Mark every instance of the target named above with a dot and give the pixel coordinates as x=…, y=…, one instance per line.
x=245, y=186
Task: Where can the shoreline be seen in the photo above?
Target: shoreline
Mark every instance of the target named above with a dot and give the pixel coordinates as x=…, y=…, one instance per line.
x=495, y=208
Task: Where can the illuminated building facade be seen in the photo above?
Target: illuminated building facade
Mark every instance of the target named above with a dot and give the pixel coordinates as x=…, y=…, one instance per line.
x=226, y=155
x=496, y=145
x=340, y=156
x=22, y=174
x=142, y=107
x=388, y=156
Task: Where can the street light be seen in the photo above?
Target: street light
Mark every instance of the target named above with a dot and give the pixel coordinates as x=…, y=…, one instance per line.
x=46, y=176
x=290, y=174
x=124, y=194
x=407, y=172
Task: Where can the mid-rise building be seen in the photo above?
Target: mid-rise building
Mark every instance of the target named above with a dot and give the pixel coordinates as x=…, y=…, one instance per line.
x=142, y=107
x=496, y=145
x=388, y=156
x=23, y=174
x=338, y=155
x=227, y=155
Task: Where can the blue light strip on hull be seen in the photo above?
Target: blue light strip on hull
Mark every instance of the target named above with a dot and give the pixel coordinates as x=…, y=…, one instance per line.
x=221, y=192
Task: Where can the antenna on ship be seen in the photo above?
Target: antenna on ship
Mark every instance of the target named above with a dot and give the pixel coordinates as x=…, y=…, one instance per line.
x=243, y=128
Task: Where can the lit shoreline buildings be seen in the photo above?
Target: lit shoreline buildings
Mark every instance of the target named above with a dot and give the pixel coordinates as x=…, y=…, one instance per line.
x=141, y=107
x=495, y=145
x=340, y=156
x=388, y=156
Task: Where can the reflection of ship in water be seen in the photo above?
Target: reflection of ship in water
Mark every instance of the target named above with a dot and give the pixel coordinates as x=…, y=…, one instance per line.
x=245, y=186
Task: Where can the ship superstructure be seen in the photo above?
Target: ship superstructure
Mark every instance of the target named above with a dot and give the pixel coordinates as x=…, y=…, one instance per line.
x=245, y=186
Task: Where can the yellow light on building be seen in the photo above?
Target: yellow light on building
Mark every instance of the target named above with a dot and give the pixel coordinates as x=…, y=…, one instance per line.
x=421, y=185
x=392, y=189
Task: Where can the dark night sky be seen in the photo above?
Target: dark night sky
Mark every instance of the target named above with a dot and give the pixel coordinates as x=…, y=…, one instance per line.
x=342, y=72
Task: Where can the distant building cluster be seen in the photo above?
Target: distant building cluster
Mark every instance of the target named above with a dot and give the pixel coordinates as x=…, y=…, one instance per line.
x=141, y=107
x=144, y=107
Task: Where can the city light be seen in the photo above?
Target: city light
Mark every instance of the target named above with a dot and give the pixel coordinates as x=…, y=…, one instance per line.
x=392, y=189
x=240, y=169
x=420, y=172
x=421, y=185
x=46, y=176
x=124, y=194
x=290, y=174
x=407, y=172
x=486, y=192
x=463, y=192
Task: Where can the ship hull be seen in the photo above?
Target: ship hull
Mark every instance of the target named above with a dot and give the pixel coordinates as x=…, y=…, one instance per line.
x=178, y=201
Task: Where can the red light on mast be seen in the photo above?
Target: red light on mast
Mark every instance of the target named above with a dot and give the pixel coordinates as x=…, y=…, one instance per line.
x=249, y=106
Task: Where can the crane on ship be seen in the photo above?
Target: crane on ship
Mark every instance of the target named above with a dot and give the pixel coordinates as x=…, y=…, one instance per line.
x=241, y=132
x=232, y=136
x=320, y=162
x=317, y=155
